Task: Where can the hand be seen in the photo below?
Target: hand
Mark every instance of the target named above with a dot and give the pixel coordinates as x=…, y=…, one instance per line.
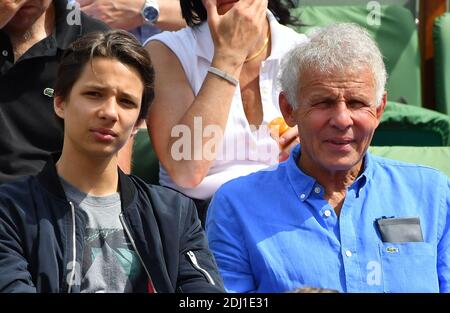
x=9, y=8
x=288, y=140
x=233, y=33
x=124, y=14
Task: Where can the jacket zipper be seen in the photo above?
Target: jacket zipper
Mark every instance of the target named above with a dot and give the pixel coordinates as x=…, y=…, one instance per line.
x=137, y=252
x=194, y=262
x=74, y=249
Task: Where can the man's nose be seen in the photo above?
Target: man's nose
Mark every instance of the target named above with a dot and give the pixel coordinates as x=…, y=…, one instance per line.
x=109, y=109
x=341, y=116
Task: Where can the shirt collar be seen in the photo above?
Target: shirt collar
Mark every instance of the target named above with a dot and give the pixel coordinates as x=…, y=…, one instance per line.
x=367, y=173
x=278, y=44
x=205, y=45
x=303, y=184
x=300, y=182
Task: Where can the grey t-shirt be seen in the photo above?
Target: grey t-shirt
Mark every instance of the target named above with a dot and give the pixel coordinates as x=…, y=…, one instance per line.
x=109, y=262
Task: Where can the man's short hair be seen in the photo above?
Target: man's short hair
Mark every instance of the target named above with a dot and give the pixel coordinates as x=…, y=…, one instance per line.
x=114, y=44
x=338, y=47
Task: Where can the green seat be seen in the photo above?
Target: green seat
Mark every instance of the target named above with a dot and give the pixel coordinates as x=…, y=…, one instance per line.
x=404, y=125
x=145, y=163
x=437, y=157
x=441, y=40
x=396, y=35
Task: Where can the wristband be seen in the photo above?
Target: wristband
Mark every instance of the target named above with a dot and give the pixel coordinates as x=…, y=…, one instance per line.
x=223, y=75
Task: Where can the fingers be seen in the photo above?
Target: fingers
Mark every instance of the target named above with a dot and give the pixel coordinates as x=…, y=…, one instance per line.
x=84, y=3
x=261, y=9
x=211, y=13
x=284, y=154
x=91, y=10
x=8, y=10
x=288, y=136
x=287, y=142
x=256, y=7
x=236, y=30
x=211, y=9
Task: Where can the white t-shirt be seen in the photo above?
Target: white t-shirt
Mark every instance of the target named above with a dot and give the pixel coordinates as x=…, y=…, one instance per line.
x=244, y=149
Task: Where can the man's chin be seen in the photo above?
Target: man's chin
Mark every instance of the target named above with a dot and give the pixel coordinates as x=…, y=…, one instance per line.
x=24, y=18
x=20, y=24
x=101, y=153
x=342, y=164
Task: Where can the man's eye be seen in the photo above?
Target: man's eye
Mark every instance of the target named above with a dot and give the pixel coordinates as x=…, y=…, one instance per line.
x=128, y=102
x=356, y=104
x=321, y=104
x=94, y=94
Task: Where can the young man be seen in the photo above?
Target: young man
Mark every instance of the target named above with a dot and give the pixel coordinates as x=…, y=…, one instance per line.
x=81, y=224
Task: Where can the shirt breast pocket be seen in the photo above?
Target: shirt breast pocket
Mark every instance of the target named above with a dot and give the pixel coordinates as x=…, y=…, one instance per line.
x=409, y=267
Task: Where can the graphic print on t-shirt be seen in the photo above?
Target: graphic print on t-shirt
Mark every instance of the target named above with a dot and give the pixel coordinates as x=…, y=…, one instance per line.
x=110, y=260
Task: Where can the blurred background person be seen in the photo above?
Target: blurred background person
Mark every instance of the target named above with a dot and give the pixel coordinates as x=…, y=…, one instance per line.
x=33, y=37
x=143, y=18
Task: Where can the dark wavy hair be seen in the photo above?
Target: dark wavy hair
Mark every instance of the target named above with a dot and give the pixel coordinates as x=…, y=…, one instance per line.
x=194, y=13
x=115, y=44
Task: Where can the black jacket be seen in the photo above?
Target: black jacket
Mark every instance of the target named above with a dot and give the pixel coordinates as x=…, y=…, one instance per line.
x=37, y=224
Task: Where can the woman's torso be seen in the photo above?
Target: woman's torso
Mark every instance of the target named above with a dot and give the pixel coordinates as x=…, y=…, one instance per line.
x=245, y=147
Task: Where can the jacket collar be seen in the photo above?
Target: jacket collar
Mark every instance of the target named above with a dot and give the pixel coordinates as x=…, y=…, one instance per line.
x=128, y=192
x=49, y=178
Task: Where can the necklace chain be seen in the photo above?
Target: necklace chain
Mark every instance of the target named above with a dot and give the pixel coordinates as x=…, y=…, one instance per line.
x=266, y=41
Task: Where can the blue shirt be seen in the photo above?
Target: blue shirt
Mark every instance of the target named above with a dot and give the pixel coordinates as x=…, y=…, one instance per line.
x=273, y=231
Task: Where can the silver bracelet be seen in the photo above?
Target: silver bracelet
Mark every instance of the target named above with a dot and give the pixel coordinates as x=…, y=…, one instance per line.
x=223, y=75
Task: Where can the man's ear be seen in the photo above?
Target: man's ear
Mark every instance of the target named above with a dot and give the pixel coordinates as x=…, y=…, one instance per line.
x=286, y=109
x=58, y=106
x=381, y=107
x=137, y=126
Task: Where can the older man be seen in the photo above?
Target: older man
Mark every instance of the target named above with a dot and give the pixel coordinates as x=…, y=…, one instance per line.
x=334, y=216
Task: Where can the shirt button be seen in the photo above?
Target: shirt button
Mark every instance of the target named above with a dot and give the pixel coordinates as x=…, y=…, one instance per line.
x=327, y=213
x=302, y=196
x=348, y=253
x=5, y=53
x=317, y=190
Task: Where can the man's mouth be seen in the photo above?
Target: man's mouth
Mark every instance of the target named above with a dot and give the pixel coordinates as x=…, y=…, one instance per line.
x=104, y=134
x=340, y=141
